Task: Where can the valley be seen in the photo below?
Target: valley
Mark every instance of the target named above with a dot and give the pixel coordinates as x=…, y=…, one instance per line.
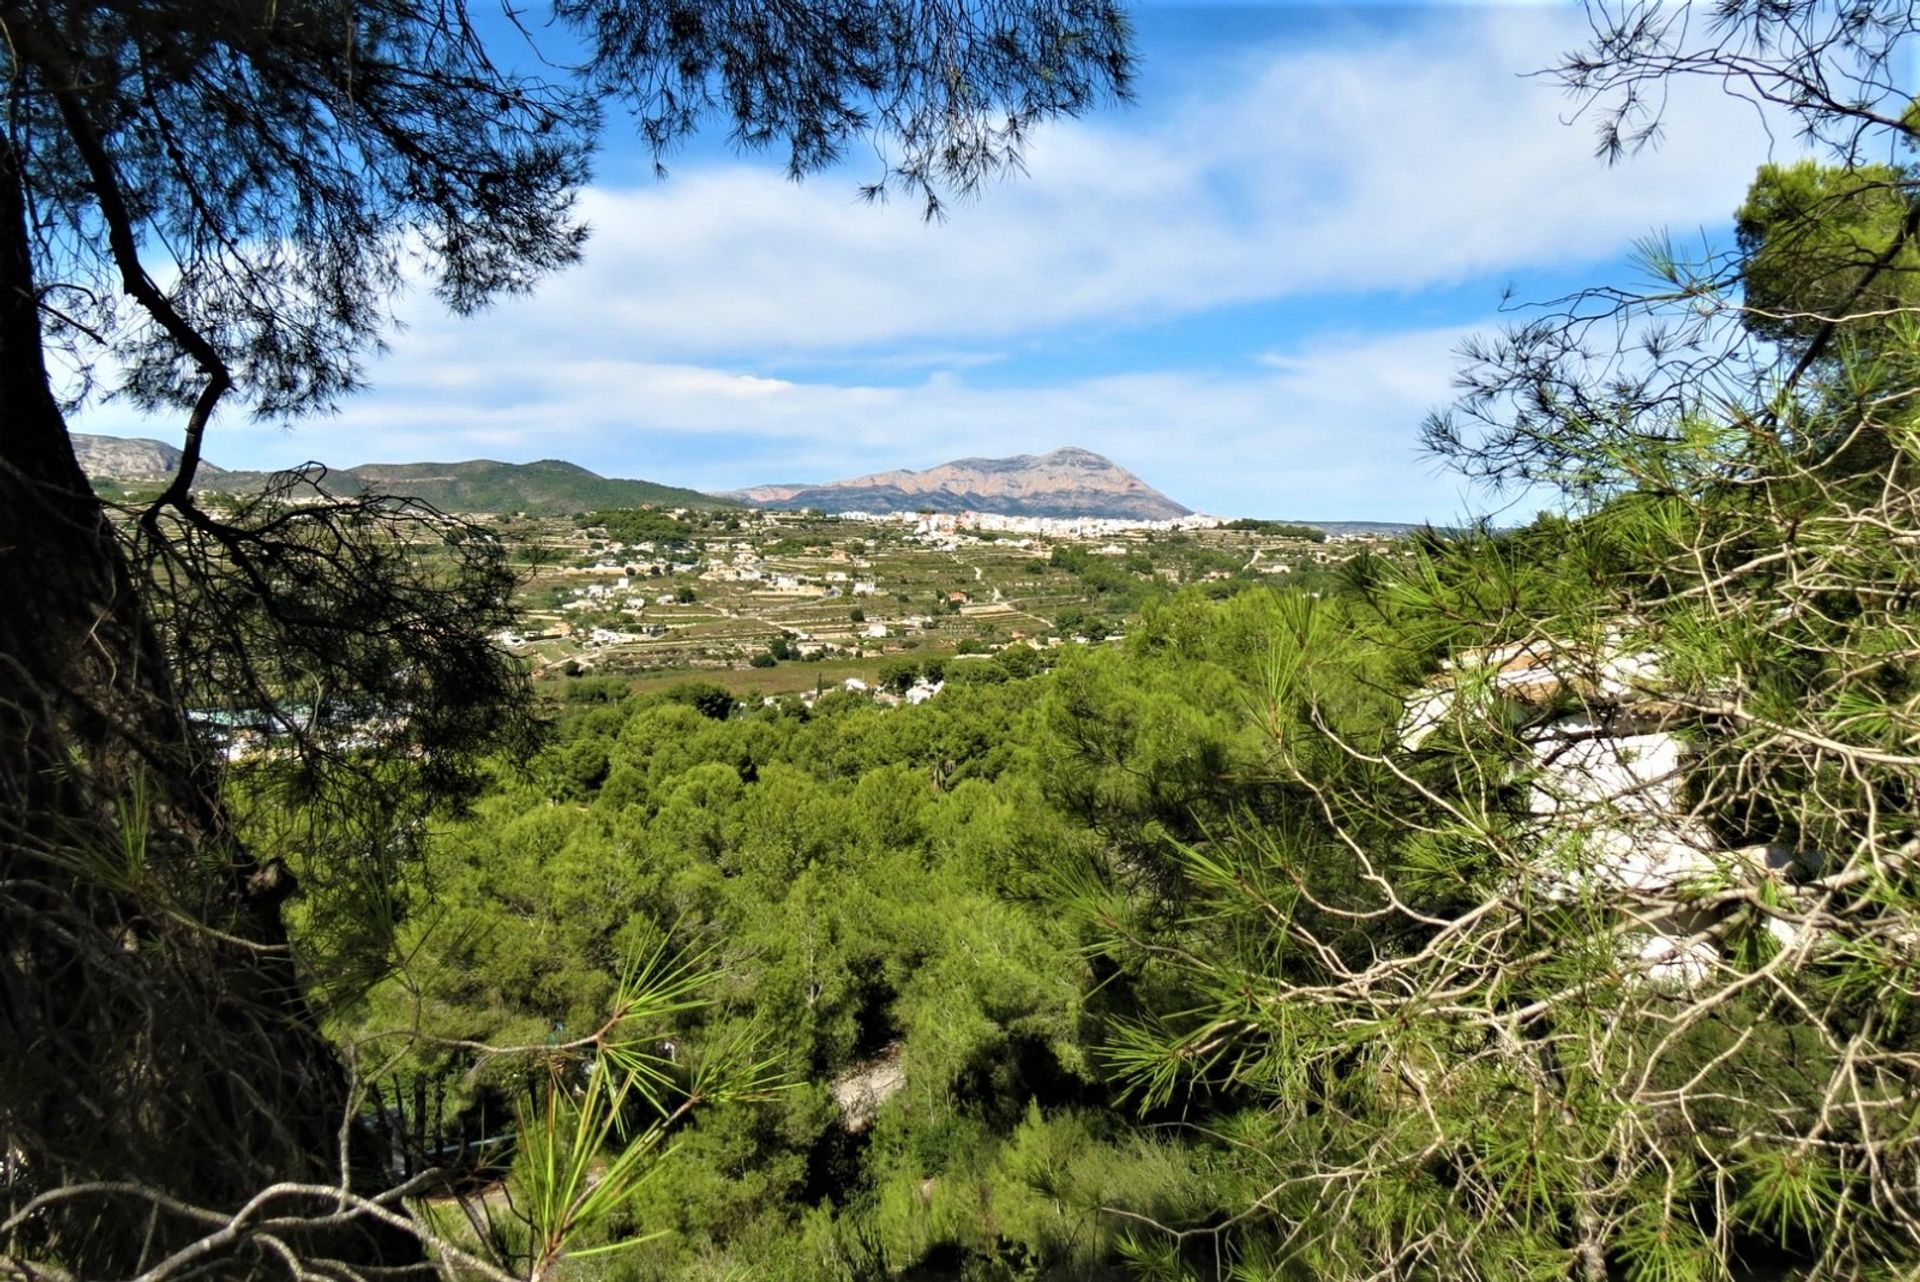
x=650, y=583
x=771, y=603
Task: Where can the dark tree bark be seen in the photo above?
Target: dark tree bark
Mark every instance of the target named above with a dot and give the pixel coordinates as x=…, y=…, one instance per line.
x=88, y=702
x=151, y=1022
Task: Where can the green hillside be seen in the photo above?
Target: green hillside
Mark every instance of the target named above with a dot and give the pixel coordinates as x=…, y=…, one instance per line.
x=547, y=487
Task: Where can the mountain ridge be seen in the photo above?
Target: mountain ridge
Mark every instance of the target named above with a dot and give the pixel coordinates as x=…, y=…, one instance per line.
x=548, y=487
x=1065, y=482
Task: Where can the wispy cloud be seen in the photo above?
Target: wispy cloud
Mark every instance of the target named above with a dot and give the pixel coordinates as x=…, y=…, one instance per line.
x=730, y=327
x=1316, y=431
x=1411, y=162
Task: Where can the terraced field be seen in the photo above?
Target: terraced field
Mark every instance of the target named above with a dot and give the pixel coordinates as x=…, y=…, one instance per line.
x=814, y=600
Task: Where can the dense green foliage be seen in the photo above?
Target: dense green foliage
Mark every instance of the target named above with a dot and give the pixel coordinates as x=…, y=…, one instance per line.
x=1287, y=529
x=638, y=525
x=1821, y=242
x=1291, y=936
x=1183, y=935
x=872, y=887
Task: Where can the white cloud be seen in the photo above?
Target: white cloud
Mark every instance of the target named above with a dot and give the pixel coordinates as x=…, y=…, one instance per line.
x=690, y=346
x=1323, y=431
x=1419, y=161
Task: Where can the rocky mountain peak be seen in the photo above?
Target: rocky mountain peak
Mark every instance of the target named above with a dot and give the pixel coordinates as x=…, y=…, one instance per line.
x=1066, y=482
x=135, y=460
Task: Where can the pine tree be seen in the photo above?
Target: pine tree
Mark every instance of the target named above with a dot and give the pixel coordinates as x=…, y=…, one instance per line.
x=218, y=199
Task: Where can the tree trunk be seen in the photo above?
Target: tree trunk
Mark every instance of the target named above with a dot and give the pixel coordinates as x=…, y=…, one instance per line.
x=151, y=1023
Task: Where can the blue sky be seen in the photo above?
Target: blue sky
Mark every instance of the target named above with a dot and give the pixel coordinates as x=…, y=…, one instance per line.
x=1248, y=286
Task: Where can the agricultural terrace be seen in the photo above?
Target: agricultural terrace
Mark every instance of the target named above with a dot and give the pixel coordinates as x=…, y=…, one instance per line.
x=778, y=602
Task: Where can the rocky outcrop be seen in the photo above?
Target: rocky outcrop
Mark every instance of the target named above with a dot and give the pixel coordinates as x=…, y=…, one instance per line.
x=859, y=1092
x=109, y=458
x=1612, y=817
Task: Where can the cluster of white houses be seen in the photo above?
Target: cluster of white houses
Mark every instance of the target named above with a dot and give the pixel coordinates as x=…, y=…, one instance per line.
x=935, y=525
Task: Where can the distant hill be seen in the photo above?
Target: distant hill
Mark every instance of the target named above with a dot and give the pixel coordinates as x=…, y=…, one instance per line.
x=1068, y=482
x=548, y=487
x=1389, y=529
